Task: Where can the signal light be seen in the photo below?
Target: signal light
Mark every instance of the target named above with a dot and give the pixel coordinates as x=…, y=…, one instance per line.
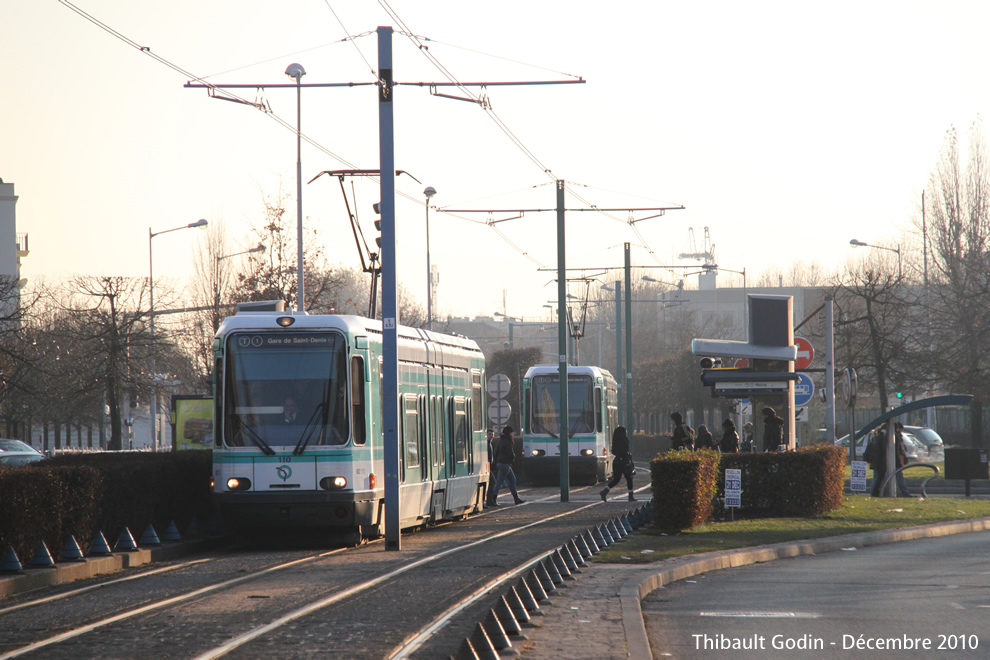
x=900, y=395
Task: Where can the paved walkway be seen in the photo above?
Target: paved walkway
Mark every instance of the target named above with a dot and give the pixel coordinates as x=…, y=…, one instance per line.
x=597, y=616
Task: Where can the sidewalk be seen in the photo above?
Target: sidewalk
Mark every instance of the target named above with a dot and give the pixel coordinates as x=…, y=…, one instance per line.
x=597, y=616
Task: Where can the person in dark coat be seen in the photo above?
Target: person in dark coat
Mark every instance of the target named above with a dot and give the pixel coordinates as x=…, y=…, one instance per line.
x=876, y=456
x=505, y=453
x=773, y=430
x=705, y=440
x=683, y=435
x=622, y=464
x=729, y=444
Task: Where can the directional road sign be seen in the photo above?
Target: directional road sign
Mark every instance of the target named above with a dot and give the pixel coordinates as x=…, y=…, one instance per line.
x=804, y=390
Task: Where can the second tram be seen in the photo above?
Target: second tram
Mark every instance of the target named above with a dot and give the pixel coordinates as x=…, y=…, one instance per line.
x=592, y=415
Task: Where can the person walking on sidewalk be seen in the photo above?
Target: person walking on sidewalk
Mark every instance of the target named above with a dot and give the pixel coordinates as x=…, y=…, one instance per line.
x=504, y=455
x=622, y=464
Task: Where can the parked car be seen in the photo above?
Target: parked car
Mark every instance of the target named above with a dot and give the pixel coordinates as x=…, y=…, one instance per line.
x=931, y=439
x=14, y=453
x=914, y=449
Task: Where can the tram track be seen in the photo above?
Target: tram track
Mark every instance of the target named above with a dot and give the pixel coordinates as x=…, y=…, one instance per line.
x=339, y=594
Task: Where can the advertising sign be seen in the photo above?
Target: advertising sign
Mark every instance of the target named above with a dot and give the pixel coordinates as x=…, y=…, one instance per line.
x=733, y=488
x=858, y=482
x=192, y=422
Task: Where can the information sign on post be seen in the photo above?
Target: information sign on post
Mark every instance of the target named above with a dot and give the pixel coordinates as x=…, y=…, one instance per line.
x=858, y=480
x=498, y=386
x=804, y=390
x=733, y=488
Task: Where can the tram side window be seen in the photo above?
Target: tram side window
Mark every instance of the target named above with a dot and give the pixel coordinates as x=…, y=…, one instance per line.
x=598, y=409
x=459, y=429
x=358, y=435
x=410, y=430
x=476, y=400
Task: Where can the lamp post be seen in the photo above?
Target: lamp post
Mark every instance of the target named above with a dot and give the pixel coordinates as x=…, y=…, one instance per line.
x=220, y=257
x=296, y=72
x=429, y=193
x=151, y=299
x=896, y=250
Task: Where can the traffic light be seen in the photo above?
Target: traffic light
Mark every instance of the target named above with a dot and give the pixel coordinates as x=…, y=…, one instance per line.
x=377, y=206
x=899, y=395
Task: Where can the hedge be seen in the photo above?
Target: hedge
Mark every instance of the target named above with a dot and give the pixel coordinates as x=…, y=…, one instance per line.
x=82, y=494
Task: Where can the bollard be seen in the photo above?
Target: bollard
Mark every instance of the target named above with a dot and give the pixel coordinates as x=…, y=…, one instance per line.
x=10, y=563
x=600, y=540
x=625, y=523
x=466, y=651
x=526, y=599
x=558, y=561
x=150, y=537
x=42, y=558
x=556, y=577
x=125, y=542
x=618, y=531
x=544, y=577
x=482, y=644
x=99, y=546
x=496, y=633
x=172, y=533
x=72, y=551
x=507, y=617
x=583, y=551
x=192, y=530
x=533, y=582
x=565, y=552
x=589, y=540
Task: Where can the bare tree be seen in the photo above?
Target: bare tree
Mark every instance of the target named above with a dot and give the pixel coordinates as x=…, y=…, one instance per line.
x=958, y=227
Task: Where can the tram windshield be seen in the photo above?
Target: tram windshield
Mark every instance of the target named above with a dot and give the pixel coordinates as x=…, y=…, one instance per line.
x=545, y=397
x=285, y=390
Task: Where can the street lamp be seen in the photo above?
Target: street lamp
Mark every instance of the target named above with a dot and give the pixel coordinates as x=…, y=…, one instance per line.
x=896, y=250
x=220, y=257
x=296, y=72
x=429, y=193
x=151, y=299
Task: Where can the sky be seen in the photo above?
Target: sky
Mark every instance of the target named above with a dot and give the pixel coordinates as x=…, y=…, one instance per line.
x=784, y=129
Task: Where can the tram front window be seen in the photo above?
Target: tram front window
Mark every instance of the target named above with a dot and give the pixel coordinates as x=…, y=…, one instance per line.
x=546, y=403
x=285, y=390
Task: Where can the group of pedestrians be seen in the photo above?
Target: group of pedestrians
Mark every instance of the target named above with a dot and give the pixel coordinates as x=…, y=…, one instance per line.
x=684, y=437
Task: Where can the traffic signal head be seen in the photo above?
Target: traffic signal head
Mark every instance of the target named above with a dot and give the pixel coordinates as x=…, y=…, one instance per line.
x=900, y=395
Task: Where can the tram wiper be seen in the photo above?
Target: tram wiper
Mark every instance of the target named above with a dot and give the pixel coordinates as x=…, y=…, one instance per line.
x=309, y=430
x=307, y=433
x=253, y=435
x=545, y=430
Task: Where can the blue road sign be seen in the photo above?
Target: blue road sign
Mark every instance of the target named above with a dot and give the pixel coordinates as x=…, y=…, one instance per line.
x=804, y=390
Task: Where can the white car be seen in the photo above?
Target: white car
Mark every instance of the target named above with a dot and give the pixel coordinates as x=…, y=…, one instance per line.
x=14, y=453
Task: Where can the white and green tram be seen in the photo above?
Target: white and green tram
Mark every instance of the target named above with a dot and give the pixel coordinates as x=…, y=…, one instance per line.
x=592, y=415
x=299, y=425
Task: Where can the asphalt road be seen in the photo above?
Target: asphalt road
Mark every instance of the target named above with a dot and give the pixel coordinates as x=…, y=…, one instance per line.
x=918, y=599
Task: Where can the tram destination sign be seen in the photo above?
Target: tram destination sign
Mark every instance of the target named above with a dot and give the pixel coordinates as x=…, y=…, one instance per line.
x=261, y=341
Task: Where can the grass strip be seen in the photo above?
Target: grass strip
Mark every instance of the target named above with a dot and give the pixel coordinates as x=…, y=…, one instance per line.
x=857, y=514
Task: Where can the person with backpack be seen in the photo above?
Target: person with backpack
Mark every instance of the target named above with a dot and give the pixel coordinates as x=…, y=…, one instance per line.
x=683, y=436
x=622, y=465
x=505, y=453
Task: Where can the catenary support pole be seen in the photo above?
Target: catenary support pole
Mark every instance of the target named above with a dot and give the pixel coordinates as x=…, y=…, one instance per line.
x=563, y=418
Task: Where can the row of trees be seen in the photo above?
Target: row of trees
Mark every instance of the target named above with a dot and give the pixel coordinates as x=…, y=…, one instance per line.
x=76, y=354
x=73, y=351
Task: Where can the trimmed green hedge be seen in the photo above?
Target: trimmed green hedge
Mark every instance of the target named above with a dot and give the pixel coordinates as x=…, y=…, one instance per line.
x=687, y=485
x=684, y=487
x=83, y=494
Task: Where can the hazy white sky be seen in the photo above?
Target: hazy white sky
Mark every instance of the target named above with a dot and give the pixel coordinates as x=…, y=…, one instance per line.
x=785, y=128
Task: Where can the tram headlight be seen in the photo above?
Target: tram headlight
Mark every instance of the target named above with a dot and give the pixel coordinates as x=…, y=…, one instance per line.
x=539, y=452
x=238, y=483
x=587, y=452
x=333, y=483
